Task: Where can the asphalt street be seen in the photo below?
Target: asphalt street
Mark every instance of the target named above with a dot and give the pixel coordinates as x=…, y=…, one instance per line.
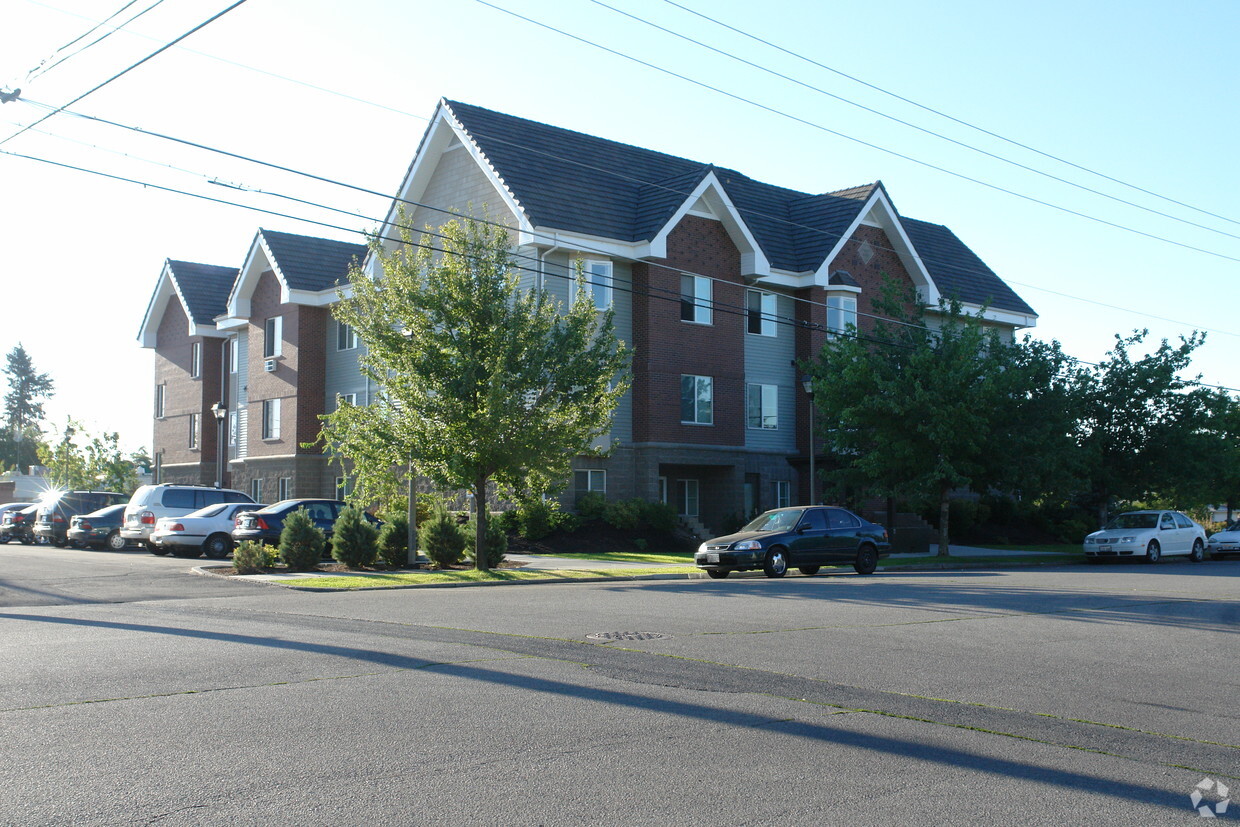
x=133, y=692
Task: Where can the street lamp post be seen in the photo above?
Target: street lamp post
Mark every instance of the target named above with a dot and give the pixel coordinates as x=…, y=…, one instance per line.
x=807, y=383
x=220, y=412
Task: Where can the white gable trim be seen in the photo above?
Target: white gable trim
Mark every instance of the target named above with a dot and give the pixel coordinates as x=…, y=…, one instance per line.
x=709, y=193
x=165, y=289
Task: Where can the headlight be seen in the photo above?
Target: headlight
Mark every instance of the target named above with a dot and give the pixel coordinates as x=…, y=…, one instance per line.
x=702, y=549
x=747, y=545
x=1127, y=539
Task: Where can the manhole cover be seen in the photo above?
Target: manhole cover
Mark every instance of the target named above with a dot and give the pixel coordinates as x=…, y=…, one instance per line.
x=609, y=636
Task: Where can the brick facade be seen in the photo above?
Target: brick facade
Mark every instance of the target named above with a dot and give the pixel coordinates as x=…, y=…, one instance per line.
x=185, y=395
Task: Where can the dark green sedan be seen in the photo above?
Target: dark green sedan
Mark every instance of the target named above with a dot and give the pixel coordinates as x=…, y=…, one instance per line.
x=806, y=538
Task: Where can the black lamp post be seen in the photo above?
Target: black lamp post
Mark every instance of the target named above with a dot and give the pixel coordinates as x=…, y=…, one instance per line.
x=807, y=382
x=220, y=412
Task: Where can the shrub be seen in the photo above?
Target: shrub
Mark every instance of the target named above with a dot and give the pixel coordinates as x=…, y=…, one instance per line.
x=565, y=522
x=301, y=543
x=354, y=539
x=251, y=557
x=393, y=539
x=534, y=518
x=641, y=544
x=657, y=516
x=591, y=505
x=496, y=542
x=623, y=514
x=441, y=538
x=507, y=520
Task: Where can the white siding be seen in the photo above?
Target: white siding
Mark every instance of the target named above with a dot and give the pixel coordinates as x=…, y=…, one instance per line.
x=768, y=361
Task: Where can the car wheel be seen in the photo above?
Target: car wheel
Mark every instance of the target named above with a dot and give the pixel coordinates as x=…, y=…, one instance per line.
x=156, y=550
x=1153, y=552
x=60, y=543
x=808, y=571
x=867, y=560
x=718, y=574
x=775, y=564
x=116, y=542
x=1198, y=553
x=217, y=546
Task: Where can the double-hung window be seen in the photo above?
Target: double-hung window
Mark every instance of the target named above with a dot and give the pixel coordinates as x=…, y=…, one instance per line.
x=346, y=336
x=195, y=360
x=695, y=299
x=194, y=419
x=841, y=313
x=761, y=316
x=271, y=419
x=762, y=405
x=598, y=276
x=590, y=479
x=697, y=400
x=783, y=493
x=160, y=396
x=273, y=333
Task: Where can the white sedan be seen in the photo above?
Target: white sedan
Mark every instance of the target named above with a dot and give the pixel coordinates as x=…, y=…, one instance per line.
x=1148, y=535
x=1224, y=542
x=205, y=531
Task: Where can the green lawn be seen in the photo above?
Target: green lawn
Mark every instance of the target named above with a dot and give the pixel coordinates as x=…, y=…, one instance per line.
x=628, y=556
x=417, y=578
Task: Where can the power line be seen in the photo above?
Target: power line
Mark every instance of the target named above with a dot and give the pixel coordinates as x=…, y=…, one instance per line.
x=952, y=118
x=41, y=70
x=814, y=125
x=126, y=70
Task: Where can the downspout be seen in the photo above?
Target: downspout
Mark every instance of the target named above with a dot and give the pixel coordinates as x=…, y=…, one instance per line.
x=542, y=263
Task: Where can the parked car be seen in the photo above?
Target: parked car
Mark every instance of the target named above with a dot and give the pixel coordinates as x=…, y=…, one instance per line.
x=265, y=524
x=150, y=502
x=205, y=531
x=99, y=529
x=19, y=525
x=5, y=509
x=1147, y=535
x=806, y=538
x=1227, y=541
x=59, y=507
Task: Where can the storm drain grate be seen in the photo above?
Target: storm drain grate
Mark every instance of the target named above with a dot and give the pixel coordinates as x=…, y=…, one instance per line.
x=611, y=636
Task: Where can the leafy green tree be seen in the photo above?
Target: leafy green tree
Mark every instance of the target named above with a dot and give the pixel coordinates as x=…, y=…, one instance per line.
x=80, y=460
x=481, y=380
x=23, y=409
x=1207, y=464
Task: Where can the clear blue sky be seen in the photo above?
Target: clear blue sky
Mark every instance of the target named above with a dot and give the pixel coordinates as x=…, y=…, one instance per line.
x=1143, y=92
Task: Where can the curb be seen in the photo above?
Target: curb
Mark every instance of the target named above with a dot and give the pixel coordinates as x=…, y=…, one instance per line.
x=207, y=572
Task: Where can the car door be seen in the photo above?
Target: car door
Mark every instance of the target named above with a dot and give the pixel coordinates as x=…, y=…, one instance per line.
x=808, y=546
x=842, y=527
x=1169, y=534
x=1187, y=531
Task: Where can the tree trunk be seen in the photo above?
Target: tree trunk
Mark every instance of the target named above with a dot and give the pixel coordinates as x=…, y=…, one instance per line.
x=944, y=501
x=481, y=563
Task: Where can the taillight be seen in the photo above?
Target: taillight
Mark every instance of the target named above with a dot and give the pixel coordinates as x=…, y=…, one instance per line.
x=56, y=518
x=176, y=527
x=147, y=518
x=84, y=526
x=261, y=523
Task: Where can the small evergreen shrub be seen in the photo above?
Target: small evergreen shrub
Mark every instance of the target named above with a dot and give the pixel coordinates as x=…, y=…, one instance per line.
x=534, y=518
x=659, y=517
x=641, y=544
x=507, y=521
x=565, y=522
x=393, y=539
x=354, y=539
x=623, y=514
x=591, y=505
x=251, y=557
x=496, y=542
x=301, y=542
x=441, y=538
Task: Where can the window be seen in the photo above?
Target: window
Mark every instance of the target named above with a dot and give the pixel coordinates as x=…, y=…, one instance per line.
x=284, y=488
x=271, y=419
x=839, y=518
x=346, y=336
x=591, y=479
x=232, y=355
x=697, y=400
x=783, y=493
x=342, y=398
x=178, y=498
x=663, y=490
x=841, y=313
x=763, y=406
x=273, y=333
x=232, y=429
x=195, y=360
x=193, y=430
x=598, y=283
x=344, y=487
x=761, y=308
x=695, y=299
x=688, y=499
x=160, y=393
x=814, y=520
x=256, y=490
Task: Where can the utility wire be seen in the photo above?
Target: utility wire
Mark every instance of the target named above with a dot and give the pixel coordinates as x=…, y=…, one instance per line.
x=125, y=71
x=814, y=125
x=36, y=68
x=42, y=70
x=911, y=125
x=943, y=114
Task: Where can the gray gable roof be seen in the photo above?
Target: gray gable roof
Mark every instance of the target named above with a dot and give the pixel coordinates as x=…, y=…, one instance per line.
x=571, y=181
x=204, y=287
x=309, y=263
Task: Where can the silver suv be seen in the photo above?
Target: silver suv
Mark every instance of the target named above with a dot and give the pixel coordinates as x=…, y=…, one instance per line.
x=150, y=502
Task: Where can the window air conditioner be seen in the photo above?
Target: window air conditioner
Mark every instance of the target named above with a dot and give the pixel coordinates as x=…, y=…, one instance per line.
x=269, y=365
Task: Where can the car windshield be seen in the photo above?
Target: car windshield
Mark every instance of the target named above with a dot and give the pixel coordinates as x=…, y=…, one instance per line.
x=1234, y=526
x=775, y=520
x=1134, y=521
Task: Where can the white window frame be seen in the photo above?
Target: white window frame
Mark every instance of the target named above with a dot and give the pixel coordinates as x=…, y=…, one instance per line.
x=599, y=279
x=841, y=312
x=195, y=360
x=765, y=399
x=662, y=483
x=256, y=489
x=161, y=398
x=233, y=348
x=284, y=488
x=271, y=419
x=346, y=336
x=689, y=496
x=695, y=292
x=783, y=493
x=351, y=398
x=764, y=313
x=344, y=487
x=595, y=480
x=194, y=420
x=273, y=336
x=700, y=416
x=232, y=429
